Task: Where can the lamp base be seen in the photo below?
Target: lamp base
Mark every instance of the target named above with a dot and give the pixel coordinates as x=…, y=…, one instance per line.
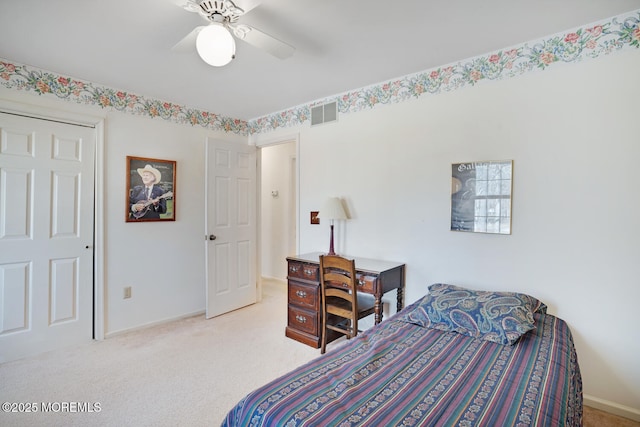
x=331, y=251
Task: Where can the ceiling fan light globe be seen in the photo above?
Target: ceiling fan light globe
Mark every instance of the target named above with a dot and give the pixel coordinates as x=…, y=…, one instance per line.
x=216, y=45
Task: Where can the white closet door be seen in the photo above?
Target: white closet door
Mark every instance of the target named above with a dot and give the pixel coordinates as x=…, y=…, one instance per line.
x=46, y=235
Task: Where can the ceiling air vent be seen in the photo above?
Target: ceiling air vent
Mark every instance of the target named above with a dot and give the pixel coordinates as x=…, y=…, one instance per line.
x=324, y=113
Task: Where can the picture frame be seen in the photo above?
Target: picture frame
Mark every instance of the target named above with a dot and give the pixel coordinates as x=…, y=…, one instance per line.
x=314, y=217
x=150, y=194
x=481, y=196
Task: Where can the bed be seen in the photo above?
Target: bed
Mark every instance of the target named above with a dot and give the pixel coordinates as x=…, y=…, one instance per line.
x=456, y=357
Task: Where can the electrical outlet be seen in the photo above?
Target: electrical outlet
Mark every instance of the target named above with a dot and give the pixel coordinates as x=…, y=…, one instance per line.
x=127, y=292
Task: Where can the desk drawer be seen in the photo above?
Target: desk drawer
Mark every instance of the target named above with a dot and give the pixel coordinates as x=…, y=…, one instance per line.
x=304, y=271
x=364, y=283
x=304, y=295
x=303, y=320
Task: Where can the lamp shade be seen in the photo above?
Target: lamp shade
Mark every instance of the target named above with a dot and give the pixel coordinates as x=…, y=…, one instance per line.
x=215, y=45
x=332, y=209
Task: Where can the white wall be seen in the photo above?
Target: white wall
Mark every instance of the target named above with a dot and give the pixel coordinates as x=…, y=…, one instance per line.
x=277, y=230
x=175, y=285
x=572, y=133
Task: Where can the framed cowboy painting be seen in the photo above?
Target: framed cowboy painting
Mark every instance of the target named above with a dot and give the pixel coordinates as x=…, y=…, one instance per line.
x=151, y=185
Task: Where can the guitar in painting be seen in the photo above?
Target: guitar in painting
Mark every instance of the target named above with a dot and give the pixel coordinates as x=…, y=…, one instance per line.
x=145, y=205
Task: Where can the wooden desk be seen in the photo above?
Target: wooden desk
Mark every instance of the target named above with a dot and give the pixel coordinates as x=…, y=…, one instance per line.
x=304, y=321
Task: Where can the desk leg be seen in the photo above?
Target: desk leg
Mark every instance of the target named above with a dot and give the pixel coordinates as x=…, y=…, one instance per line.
x=400, y=291
x=377, y=309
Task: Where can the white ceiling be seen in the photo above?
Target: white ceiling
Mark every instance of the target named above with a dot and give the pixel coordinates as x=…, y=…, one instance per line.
x=340, y=44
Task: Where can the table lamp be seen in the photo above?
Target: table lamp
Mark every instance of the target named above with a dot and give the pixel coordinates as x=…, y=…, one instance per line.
x=332, y=210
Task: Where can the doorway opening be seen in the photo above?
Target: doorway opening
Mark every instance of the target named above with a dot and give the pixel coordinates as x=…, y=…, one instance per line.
x=278, y=201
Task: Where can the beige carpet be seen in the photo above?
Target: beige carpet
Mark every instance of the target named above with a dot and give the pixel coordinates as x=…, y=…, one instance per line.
x=185, y=373
x=595, y=418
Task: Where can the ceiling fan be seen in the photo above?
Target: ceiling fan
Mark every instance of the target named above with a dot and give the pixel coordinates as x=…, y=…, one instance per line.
x=214, y=41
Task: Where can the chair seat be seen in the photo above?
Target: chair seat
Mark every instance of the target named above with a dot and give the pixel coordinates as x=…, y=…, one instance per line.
x=366, y=303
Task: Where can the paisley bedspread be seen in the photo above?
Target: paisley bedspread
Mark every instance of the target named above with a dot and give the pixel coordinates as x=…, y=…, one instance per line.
x=402, y=374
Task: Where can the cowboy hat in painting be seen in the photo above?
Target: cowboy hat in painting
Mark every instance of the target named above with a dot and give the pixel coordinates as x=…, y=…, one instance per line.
x=149, y=168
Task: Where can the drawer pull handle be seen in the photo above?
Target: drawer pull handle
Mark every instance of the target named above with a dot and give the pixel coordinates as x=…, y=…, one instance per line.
x=301, y=319
x=294, y=269
x=301, y=294
x=361, y=282
x=308, y=271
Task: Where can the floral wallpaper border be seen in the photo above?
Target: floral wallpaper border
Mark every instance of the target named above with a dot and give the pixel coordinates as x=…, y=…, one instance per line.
x=23, y=77
x=591, y=41
x=587, y=42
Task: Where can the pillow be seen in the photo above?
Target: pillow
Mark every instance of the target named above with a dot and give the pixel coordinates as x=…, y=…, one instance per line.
x=500, y=317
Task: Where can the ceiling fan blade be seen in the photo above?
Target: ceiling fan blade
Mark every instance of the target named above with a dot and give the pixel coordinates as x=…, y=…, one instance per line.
x=190, y=5
x=247, y=5
x=263, y=41
x=188, y=43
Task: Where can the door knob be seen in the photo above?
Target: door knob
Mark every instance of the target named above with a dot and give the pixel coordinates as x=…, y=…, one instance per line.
x=212, y=237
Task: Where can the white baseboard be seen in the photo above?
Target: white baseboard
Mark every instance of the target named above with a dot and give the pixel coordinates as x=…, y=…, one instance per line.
x=151, y=324
x=612, y=407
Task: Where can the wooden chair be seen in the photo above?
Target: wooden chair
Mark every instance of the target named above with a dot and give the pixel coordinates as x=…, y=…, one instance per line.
x=342, y=304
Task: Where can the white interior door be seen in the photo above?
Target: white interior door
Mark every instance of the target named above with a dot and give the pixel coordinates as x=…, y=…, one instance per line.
x=230, y=226
x=46, y=235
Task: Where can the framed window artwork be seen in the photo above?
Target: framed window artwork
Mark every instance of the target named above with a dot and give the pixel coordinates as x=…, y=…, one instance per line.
x=151, y=186
x=481, y=196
